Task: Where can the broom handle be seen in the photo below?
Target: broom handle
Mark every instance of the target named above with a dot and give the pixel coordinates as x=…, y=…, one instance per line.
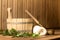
x=9, y=13
x=33, y=17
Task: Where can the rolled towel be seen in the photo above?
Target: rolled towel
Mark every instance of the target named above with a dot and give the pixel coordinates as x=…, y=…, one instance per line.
x=39, y=30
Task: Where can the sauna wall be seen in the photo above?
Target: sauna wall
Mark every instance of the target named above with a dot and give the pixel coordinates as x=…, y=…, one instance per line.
x=47, y=12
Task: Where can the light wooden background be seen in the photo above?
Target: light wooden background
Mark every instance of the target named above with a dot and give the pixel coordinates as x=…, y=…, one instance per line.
x=46, y=11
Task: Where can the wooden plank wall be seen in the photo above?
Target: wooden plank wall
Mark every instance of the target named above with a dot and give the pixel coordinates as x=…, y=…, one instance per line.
x=52, y=13
x=46, y=11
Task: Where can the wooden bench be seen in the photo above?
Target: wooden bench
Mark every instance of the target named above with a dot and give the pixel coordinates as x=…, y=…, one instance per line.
x=47, y=37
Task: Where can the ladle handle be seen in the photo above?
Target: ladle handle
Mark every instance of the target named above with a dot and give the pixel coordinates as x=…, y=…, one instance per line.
x=9, y=13
x=33, y=17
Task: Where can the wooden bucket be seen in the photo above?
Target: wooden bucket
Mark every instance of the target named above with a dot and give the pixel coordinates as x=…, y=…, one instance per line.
x=20, y=24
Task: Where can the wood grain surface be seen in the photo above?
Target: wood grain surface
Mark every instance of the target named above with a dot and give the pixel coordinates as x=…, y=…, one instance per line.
x=47, y=12
x=48, y=37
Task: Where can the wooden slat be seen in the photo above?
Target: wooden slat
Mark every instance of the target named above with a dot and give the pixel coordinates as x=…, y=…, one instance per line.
x=4, y=13
x=32, y=7
x=20, y=8
x=44, y=13
x=48, y=12
x=55, y=10
x=24, y=7
x=28, y=7
x=59, y=12
x=0, y=14
x=14, y=8
x=35, y=8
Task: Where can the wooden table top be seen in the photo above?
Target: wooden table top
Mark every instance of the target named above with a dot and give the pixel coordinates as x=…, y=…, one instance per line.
x=48, y=37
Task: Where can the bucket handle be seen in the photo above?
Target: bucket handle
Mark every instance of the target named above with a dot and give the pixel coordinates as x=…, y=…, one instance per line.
x=9, y=13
